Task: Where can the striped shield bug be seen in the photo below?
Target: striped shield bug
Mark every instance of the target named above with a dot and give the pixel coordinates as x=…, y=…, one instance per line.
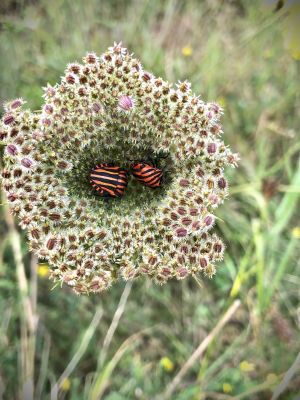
x=147, y=174
x=109, y=180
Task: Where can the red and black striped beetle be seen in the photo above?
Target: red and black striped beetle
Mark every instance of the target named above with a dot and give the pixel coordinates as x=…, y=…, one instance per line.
x=147, y=174
x=109, y=180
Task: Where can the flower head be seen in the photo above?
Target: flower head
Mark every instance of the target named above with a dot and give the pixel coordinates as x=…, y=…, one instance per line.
x=246, y=366
x=227, y=387
x=187, y=51
x=167, y=364
x=91, y=241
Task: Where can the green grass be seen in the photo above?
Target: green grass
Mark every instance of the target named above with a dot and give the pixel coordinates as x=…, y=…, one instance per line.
x=239, y=58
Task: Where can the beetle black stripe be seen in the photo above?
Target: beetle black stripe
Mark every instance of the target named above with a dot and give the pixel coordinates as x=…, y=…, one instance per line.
x=144, y=174
x=145, y=177
x=110, y=183
x=148, y=178
x=155, y=178
x=154, y=182
x=106, y=173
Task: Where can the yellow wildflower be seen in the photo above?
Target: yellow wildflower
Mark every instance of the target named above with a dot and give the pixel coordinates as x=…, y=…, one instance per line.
x=43, y=270
x=227, y=388
x=296, y=232
x=65, y=385
x=246, y=366
x=187, y=51
x=167, y=364
x=222, y=101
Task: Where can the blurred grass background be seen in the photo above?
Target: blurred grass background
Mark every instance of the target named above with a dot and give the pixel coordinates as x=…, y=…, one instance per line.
x=130, y=342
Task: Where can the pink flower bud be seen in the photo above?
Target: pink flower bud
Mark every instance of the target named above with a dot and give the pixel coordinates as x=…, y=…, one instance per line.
x=214, y=199
x=96, y=107
x=166, y=222
x=54, y=216
x=63, y=165
x=218, y=247
x=208, y=220
x=185, y=249
x=88, y=264
x=46, y=121
x=194, y=212
x=51, y=243
x=12, y=149
x=26, y=162
x=200, y=173
x=12, y=197
x=70, y=78
x=16, y=104
x=75, y=68
x=125, y=103
x=181, y=232
x=184, y=182
x=49, y=91
x=48, y=109
x=212, y=148
x=182, y=273
x=91, y=58
x=166, y=272
x=37, y=135
x=186, y=221
x=181, y=210
x=203, y=262
x=196, y=225
x=81, y=91
x=8, y=119
x=146, y=76
x=35, y=233
x=174, y=216
x=222, y=183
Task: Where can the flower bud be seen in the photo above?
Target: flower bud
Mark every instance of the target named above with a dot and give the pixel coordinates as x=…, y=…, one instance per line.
x=181, y=211
x=174, y=216
x=203, y=262
x=186, y=221
x=181, y=273
x=6, y=174
x=97, y=107
x=12, y=149
x=209, y=220
x=51, y=243
x=26, y=162
x=194, y=212
x=222, y=183
x=212, y=148
x=71, y=78
x=12, y=197
x=181, y=232
x=8, y=119
x=125, y=103
x=218, y=247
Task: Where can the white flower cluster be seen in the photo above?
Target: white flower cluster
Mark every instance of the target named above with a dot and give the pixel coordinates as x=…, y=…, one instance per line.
x=110, y=110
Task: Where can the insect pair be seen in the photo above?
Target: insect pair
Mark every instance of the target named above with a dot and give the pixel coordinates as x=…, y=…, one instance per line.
x=111, y=181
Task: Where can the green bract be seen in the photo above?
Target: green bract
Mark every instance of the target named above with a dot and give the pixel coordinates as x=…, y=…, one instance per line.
x=110, y=110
